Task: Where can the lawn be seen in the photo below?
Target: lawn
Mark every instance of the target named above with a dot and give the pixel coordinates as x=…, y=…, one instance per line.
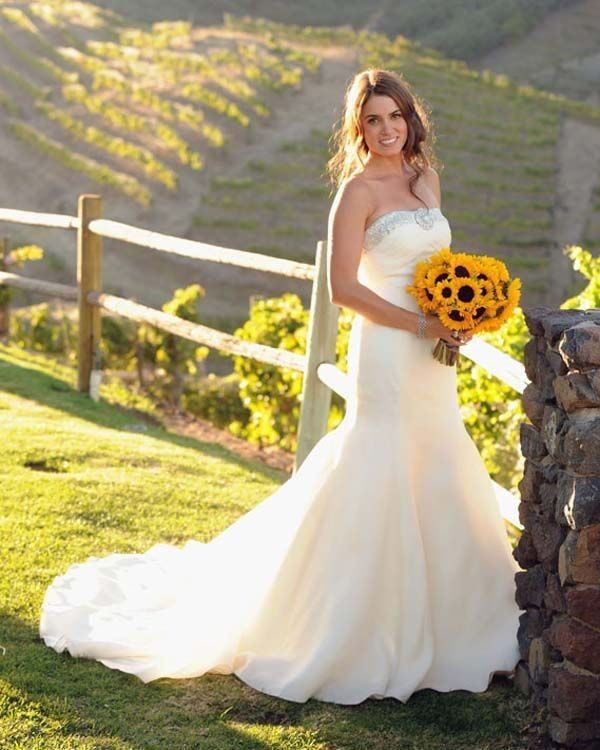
x=80, y=478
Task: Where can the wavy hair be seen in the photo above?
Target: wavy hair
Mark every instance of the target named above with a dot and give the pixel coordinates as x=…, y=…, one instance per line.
x=350, y=148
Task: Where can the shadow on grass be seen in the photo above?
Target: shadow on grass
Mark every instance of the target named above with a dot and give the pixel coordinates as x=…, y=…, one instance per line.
x=70, y=700
x=35, y=385
x=79, y=699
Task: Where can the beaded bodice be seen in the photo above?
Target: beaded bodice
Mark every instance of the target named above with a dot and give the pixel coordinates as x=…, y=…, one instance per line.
x=385, y=223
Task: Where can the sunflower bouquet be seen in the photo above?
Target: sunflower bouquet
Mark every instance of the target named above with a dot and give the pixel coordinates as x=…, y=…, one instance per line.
x=467, y=292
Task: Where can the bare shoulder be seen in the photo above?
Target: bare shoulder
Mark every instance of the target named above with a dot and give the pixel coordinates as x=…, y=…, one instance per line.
x=352, y=204
x=354, y=194
x=432, y=180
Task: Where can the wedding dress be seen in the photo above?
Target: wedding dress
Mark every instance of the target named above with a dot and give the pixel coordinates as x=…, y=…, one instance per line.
x=379, y=568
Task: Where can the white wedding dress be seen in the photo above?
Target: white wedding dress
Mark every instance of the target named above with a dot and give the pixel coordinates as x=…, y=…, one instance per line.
x=379, y=568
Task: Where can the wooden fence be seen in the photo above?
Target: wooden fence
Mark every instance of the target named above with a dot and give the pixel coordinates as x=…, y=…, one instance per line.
x=321, y=375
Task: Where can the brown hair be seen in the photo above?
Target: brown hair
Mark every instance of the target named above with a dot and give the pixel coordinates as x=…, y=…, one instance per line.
x=348, y=140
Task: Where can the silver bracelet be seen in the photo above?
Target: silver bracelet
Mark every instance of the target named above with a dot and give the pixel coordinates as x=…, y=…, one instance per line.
x=421, y=323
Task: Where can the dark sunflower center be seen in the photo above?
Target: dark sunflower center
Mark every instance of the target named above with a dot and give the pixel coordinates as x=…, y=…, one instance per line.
x=446, y=291
x=466, y=293
x=456, y=315
x=441, y=277
x=479, y=312
x=461, y=271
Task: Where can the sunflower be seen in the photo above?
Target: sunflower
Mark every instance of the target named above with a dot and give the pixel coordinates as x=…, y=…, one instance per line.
x=478, y=266
x=436, y=273
x=442, y=257
x=496, y=270
x=466, y=290
x=444, y=291
x=456, y=320
x=421, y=270
x=479, y=312
x=462, y=265
x=424, y=297
x=486, y=288
x=514, y=292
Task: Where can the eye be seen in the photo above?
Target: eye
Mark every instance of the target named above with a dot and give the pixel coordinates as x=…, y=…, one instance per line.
x=397, y=114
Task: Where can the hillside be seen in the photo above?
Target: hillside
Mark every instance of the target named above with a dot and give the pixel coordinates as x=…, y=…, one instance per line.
x=458, y=28
x=220, y=133
x=81, y=478
x=561, y=53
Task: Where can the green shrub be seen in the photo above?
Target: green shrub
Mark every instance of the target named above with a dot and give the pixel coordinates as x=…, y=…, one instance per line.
x=492, y=410
x=17, y=258
x=217, y=399
x=589, y=266
x=270, y=393
x=44, y=328
x=173, y=358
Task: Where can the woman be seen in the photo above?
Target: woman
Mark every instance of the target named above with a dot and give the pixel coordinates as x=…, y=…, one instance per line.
x=382, y=565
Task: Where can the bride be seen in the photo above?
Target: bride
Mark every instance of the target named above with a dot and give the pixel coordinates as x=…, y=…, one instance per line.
x=382, y=566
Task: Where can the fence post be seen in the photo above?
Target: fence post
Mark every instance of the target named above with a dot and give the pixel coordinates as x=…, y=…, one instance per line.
x=89, y=278
x=4, y=290
x=320, y=347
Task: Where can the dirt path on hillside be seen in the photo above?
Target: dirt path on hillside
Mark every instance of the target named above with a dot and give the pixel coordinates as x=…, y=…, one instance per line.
x=578, y=169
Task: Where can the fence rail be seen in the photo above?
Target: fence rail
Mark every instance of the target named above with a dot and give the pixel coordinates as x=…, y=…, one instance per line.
x=321, y=375
x=201, y=334
x=62, y=291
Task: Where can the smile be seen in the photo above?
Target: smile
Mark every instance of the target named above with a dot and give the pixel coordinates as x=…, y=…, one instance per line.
x=389, y=141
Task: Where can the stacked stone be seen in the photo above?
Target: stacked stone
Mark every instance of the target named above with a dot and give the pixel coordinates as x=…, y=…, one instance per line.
x=559, y=550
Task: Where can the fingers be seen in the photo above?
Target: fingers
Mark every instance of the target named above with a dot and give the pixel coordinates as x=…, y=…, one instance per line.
x=459, y=338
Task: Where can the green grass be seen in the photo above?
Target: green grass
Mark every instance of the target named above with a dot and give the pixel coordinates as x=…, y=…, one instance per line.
x=115, y=482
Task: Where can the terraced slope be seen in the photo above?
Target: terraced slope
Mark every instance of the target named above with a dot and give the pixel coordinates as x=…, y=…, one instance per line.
x=221, y=134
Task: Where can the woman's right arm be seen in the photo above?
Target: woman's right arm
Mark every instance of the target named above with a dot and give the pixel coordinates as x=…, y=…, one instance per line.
x=347, y=218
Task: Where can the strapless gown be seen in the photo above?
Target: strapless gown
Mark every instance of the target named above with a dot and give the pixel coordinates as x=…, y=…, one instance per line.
x=381, y=567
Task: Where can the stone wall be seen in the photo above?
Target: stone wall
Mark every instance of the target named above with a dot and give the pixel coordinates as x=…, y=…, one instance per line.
x=559, y=550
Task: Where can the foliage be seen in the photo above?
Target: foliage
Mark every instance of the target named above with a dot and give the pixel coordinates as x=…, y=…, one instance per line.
x=589, y=266
x=93, y=169
x=18, y=256
x=216, y=399
x=23, y=83
x=271, y=393
x=491, y=410
x=43, y=329
x=167, y=365
x=140, y=156
x=7, y=103
x=119, y=117
x=173, y=357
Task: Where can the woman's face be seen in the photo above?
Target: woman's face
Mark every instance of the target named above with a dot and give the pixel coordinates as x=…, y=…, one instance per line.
x=383, y=125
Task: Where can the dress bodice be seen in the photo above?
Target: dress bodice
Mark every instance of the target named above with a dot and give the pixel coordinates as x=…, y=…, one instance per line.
x=393, y=245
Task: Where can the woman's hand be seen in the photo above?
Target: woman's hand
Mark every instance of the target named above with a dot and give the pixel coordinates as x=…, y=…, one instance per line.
x=435, y=329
